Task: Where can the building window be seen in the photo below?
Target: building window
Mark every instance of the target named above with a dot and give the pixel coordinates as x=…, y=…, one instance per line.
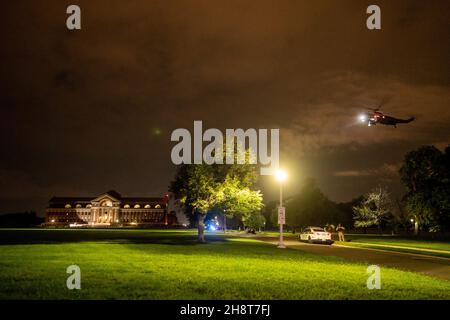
x=127, y=206
x=147, y=206
x=89, y=206
x=136, y=206
x=157, y=206
x=78, y=206
x=67, y=206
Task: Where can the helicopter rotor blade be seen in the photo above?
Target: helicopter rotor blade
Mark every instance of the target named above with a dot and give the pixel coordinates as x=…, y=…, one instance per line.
x=384, y=100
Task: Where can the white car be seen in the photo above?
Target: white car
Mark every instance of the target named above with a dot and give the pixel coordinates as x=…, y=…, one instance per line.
x=315, y=235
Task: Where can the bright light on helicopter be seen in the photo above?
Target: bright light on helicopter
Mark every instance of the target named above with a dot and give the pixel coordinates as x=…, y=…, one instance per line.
x=362, y=118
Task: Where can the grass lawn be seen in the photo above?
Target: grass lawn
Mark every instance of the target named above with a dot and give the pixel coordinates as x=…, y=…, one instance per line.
x=384, y=242
x=399, y=241
x=395, y=243
x=149, y=264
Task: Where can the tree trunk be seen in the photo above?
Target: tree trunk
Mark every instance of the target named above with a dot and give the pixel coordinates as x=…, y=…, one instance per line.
x=201, y=228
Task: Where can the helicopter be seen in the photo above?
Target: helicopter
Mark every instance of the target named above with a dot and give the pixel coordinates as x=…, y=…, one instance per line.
x=377, y=117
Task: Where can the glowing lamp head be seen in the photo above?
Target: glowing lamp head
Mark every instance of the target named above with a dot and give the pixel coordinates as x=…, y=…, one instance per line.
x=362, y=118
x=281, y=175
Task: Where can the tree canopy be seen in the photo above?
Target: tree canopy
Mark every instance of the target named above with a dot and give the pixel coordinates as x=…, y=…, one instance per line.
x=374, y=209
x=425, y=174
x=310, y=207
x=231, y=187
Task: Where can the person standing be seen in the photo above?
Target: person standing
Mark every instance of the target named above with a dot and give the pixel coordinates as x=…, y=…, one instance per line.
x=340, y=230
x=330, y=229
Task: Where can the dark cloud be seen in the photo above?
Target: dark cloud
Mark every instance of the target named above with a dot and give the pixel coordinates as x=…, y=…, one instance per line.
x=80, y=109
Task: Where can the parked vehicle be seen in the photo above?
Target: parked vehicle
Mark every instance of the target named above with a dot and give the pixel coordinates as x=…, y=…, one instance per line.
x=315, y=235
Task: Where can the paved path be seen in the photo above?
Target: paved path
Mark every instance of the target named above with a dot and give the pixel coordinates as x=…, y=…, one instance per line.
x=433, y=266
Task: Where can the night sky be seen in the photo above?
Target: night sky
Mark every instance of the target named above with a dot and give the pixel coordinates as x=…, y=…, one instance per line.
x=83, y=112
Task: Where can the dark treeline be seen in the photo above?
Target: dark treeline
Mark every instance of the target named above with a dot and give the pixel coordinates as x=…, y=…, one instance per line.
x=425, y=206
x=310, y=207
x=20, y=220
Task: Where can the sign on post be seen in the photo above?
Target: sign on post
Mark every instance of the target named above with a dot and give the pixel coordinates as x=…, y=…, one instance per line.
x=281, y=215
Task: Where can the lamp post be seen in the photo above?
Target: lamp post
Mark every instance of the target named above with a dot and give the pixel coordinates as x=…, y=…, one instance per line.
x=416, y=226
x=281, y=176
x=224, y=220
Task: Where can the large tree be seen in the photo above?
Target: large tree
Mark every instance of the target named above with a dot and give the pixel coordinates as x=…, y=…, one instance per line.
x=346, y=213
x=310, y=207
x=236, y=197
x=426, y=176
x=400, y=217
x=364, y=217
x=255, y=222
x=194, y=186
x=202, y=188
x=270, y=213
x=374, y=209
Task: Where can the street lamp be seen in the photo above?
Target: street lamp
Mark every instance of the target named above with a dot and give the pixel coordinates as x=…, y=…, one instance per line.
x=416, y=226
x=224, y=220
x=281, y=176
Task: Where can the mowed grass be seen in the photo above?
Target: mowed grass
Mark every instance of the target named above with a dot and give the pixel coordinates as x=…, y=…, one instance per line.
x=399, y=244
x=385, y=242
x=399, y=241
x=150, y=264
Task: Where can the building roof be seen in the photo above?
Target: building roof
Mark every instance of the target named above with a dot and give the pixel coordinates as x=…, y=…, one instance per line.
x=71, y=199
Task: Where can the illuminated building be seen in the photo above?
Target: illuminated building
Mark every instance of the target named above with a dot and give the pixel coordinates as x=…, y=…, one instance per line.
x=109, y=209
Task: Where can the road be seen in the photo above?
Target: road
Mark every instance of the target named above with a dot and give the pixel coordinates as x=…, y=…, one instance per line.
x=438, y=267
